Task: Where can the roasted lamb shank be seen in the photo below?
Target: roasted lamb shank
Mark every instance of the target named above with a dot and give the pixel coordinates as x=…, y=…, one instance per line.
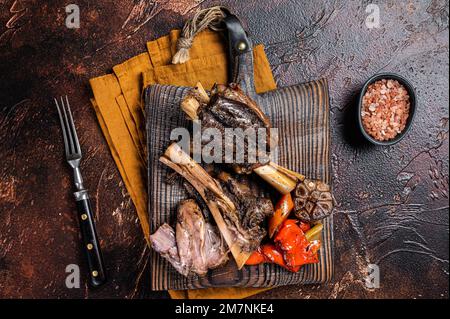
x=229, y=107
x=238, y=213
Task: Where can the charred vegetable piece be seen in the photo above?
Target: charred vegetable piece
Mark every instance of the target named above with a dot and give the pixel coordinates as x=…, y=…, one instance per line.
x=256, y=258
x=297, y=249
x=282, y=210
x=267, y=253
x=291, y=249
x=315, y=232
x=274, y=255
x=304, y=226
x=313, y=200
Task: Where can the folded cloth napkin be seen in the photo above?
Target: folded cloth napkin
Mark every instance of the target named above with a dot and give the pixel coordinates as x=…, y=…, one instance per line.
x=119, y=109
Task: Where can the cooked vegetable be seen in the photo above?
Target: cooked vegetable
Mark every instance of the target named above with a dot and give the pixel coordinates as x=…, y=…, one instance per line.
x=291, y=249
x=297, y=249
x=274, y=255
x=282, y=211
x=267, y=253
x=304, y=226
x=313, y=200
x=315, y=232
x=256, y=258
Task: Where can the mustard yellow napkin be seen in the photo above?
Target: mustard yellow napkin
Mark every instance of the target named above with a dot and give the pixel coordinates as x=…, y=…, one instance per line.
x=118, y=106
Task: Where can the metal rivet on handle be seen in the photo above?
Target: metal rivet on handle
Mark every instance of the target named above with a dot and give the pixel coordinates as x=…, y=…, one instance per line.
x=95, y=273
x=89, y=246
x=242, y=46
x=84, y=216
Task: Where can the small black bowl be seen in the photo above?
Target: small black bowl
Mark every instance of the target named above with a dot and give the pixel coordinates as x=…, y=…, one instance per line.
x=412, y=109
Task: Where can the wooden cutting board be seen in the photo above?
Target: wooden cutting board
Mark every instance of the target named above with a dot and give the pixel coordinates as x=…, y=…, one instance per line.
x=301, y=114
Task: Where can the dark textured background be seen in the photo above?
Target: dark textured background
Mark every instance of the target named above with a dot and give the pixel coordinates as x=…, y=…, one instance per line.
x=393, y=202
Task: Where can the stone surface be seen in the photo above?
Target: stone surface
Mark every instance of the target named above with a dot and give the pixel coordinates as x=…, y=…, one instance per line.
x=393, y=204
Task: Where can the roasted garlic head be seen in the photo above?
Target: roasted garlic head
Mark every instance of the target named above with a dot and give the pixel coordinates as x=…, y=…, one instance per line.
x=312, y=200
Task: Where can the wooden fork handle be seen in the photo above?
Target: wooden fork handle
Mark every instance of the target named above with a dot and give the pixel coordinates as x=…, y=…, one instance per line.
x=91, y=246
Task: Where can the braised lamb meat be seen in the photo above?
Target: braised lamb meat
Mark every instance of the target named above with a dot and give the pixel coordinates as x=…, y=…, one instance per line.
x=195, y=246
x=228, y=107
x=252, y=209
x=238, y=211
x=164, y=242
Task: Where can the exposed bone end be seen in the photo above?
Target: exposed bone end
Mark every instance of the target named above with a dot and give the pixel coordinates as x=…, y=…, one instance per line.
x=201, y=92
x=190, y=106
x=211, y=192
x=313, y=200
x=276, y=178
x=291, y=174
x=193, y=100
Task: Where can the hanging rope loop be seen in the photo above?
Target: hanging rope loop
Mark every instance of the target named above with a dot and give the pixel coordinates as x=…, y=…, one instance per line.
x=207, y=18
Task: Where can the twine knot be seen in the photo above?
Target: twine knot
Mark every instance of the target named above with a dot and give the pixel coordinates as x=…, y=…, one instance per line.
x=184, y=43
x=206, y=18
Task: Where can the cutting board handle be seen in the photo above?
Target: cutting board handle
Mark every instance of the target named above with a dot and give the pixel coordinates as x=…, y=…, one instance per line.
x=240, y=53
x=240, y=48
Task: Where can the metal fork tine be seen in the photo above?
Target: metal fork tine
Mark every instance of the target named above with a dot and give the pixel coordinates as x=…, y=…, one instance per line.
x=63, y=127
x=70, y=138
x=72, y=125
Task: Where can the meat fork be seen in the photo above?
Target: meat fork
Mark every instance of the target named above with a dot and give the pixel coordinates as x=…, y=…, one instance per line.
x=85, y=216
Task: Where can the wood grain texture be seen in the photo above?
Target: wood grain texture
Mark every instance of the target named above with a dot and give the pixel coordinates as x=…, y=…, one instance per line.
x=301, y=114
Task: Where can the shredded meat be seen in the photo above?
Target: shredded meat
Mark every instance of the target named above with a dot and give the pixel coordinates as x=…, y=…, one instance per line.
x=252, y=211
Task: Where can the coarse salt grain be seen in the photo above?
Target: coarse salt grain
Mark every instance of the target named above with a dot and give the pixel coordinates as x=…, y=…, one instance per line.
x=385, y=109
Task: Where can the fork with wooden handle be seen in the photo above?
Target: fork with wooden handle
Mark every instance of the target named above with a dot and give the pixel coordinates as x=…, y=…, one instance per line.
x=91, y=245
